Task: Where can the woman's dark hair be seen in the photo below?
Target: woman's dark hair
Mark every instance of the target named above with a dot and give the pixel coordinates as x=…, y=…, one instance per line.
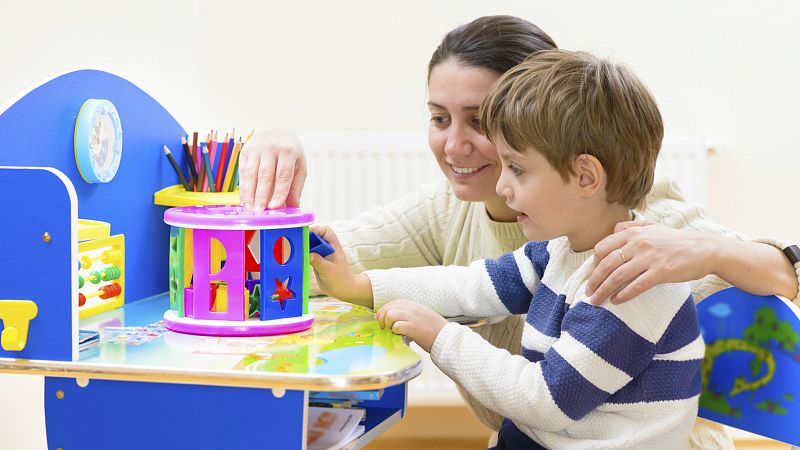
x=497, y=43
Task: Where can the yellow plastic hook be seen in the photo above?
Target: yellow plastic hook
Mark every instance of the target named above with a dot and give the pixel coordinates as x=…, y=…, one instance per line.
x=16, y=315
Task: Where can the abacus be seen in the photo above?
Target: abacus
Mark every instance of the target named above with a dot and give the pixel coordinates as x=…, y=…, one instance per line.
x=101, y=270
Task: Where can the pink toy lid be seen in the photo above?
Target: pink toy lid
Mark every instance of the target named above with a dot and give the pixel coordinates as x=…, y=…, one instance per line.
x=222, y=217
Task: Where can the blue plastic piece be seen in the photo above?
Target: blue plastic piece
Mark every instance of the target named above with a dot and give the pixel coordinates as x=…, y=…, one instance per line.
x=752, y=363
x=318, y=245
x=290, y=273
x=135, y=415
x=38, y=130
x=37, y=201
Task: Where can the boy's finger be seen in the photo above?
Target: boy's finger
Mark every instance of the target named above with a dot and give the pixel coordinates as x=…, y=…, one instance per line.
x=379, y=317
x=400, y=327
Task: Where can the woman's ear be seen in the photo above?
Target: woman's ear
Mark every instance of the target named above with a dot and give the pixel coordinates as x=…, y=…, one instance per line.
x=589, y=174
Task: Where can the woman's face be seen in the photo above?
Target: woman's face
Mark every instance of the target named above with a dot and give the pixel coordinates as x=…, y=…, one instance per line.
x=464, y=154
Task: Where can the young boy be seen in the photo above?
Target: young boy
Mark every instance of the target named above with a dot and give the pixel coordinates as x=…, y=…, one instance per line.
x=578, y=138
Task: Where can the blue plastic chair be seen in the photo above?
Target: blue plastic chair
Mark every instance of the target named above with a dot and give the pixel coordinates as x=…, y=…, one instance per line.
x=751, y=370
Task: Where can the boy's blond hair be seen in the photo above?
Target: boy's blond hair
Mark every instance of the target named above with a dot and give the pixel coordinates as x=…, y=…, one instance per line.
x=564, y=104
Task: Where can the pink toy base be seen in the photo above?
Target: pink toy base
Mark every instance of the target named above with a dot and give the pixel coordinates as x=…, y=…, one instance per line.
x=251, y=327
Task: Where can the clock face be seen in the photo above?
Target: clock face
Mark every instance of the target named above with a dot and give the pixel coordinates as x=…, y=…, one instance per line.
x=98, y=141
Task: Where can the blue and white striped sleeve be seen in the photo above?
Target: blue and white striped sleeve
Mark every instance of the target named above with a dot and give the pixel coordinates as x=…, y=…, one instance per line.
x=484, y=288
x=604, y=354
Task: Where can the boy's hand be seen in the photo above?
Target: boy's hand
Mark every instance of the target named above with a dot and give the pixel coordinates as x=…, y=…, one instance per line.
x=334, y=276
x=411, y=319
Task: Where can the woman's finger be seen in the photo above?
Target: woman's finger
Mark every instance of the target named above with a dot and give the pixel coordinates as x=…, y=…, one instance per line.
x=622, y=226
x=602, y=270
x=293, y=198
x=284, y=176
x=635, y=288
x=618, y=279
x=265, y=179
x=247, y=180
x=610, y=243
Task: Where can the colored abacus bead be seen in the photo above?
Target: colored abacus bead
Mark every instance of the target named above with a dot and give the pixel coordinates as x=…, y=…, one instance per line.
x=80, y=281
x=95, y=277
x=111, y=256
x=110, y=273
x=110, y=290
x=81, y=299
x=107, y=257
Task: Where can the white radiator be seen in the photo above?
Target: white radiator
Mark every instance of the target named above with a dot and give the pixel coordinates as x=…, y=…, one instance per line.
x=349, y=174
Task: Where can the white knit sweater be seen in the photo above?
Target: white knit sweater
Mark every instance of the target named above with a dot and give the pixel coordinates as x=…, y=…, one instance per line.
x=610, y=377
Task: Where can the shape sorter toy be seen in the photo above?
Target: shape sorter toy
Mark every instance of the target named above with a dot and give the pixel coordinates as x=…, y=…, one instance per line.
x=210, y=262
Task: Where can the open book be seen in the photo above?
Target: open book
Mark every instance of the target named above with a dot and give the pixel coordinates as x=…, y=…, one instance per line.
x=333, y=428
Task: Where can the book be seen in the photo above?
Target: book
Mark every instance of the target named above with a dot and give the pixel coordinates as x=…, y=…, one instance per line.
x=348, y=395
x=333, y=428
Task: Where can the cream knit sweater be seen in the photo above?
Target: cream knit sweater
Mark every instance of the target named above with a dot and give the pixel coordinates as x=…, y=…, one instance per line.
x=433, y=227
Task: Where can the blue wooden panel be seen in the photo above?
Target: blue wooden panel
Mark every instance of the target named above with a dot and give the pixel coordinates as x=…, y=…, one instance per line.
x=38, y=131
x=293, y=270
x=751, y=370
x=132, y=415
x=36, y=201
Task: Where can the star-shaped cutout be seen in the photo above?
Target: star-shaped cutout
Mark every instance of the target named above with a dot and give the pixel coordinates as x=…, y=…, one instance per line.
x=282, y=292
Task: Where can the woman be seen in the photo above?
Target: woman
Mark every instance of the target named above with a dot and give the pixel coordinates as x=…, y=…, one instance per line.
x=462, y=219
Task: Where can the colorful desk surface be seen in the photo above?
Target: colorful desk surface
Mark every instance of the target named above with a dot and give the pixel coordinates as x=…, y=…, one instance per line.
x=344, y=350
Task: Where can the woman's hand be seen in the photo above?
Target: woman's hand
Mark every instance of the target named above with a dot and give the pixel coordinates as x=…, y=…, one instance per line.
x=334, y=276
x=411, y=319
x=272, y=168
x=640, y=255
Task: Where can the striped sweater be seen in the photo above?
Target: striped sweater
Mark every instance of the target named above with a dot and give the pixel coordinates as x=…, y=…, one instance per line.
x=615, y=376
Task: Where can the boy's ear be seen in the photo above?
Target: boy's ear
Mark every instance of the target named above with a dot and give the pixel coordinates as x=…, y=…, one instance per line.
x=589, y=174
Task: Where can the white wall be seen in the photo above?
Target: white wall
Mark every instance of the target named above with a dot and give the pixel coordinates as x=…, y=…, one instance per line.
x=723, y=69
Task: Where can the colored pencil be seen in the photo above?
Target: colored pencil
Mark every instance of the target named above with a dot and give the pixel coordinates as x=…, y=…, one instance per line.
x=190, y=162
x=198, y=162
x=209, y=172
x=177, y=168
x=229, y=173
x=201, y=168
x=235, y=181
x=211, y=146
x=223, y=154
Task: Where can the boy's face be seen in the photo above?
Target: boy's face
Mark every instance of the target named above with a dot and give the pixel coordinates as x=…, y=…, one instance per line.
x=547, y=204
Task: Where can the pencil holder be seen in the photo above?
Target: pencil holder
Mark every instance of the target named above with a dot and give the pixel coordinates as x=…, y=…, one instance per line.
x=211, y=292
x=178, y=196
